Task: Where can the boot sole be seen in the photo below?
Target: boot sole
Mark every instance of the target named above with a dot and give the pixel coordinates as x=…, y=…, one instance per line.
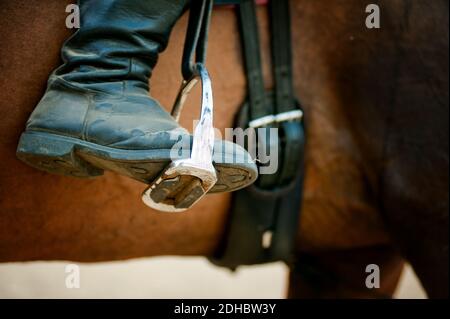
x=69, y=156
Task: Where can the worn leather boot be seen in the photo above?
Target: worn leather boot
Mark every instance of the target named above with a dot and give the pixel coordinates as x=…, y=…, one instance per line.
x=97, y=114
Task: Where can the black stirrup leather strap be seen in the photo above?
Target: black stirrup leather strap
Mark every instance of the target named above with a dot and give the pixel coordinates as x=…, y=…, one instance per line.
x=264, y=217
x=196, y=36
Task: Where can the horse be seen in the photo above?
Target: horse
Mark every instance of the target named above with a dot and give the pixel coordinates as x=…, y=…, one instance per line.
x=376, y=167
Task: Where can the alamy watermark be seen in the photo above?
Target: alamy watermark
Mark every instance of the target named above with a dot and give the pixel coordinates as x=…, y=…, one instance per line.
x=373, y=19
x=373, y=279
x=73, y=17
x=262, y=145
x=72, y=279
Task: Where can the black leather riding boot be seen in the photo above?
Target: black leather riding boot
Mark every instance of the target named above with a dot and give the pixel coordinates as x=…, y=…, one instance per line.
x=97, y=113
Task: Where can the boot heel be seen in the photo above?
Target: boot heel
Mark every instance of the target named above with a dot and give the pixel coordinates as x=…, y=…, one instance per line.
x=54, y=154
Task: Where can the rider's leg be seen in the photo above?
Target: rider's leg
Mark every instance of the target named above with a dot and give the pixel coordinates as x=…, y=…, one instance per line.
x=96, y=113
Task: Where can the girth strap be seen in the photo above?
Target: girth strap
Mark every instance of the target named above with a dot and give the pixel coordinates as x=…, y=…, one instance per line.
x=264, y=217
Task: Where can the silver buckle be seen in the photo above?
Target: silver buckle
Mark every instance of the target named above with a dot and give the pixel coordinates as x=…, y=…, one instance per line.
x=282, y=117
x=184, y=182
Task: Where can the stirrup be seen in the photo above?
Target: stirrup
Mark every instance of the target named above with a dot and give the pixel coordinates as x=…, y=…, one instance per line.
x=185, y=181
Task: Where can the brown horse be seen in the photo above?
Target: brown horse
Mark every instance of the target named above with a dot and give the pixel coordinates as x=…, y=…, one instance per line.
x=376, y=188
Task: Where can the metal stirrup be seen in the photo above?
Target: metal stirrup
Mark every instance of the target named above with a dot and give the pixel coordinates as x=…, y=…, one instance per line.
x=185, y=181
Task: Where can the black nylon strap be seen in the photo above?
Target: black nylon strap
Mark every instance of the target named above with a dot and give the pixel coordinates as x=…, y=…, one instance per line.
x=268, y=211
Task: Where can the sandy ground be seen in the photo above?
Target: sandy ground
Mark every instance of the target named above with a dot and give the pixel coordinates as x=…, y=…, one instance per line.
x=167, y=277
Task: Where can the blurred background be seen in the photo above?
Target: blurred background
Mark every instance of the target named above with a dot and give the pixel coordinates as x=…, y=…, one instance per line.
x=162, y=277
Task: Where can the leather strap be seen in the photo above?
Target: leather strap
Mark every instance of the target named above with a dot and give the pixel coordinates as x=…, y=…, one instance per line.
x=259, y=106
x=284, y=88
x=264, y=217
x=196, y=36
x=282, y=55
